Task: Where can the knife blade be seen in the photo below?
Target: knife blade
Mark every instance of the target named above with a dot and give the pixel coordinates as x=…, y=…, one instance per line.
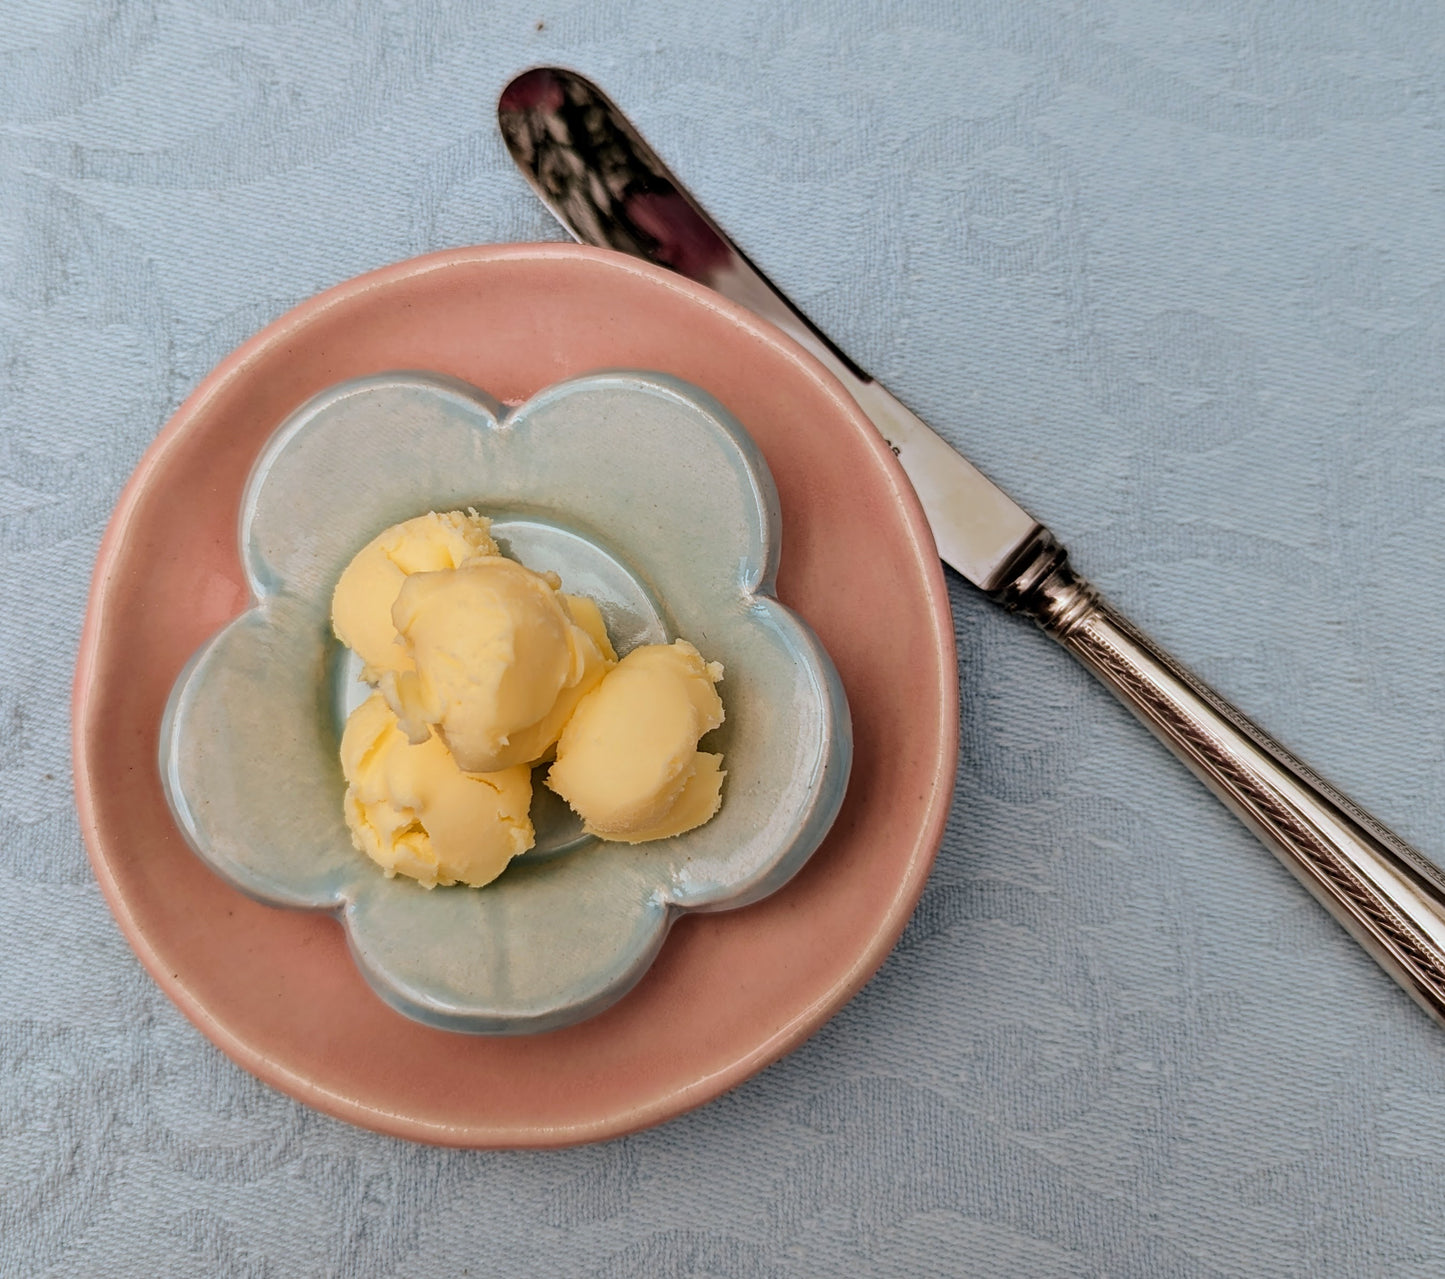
x=609, y=188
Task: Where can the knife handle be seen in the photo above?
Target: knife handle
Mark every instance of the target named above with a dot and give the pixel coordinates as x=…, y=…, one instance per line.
x=1389, y=897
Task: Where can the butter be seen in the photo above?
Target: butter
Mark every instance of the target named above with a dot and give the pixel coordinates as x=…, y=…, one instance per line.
x=627, y=761
x=414, y=812
x=499, y=661
x=483, y=668
x=361, y=603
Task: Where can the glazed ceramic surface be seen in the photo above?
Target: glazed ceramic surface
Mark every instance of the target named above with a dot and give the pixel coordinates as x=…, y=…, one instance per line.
x=730, y=991
x=639, y=491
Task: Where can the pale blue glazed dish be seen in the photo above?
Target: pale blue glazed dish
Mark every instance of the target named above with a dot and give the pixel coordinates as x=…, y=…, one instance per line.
x=640, y=491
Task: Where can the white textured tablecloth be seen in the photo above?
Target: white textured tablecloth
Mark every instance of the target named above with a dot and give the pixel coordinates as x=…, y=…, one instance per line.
x=1171, y=272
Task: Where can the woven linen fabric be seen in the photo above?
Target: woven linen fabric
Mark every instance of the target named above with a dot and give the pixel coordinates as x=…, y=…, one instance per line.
x=1170, y=270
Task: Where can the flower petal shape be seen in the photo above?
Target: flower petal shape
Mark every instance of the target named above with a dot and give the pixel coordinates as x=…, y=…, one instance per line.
x=640, y=491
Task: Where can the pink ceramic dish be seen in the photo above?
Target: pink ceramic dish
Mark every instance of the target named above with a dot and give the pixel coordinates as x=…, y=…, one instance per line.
x=277, y=990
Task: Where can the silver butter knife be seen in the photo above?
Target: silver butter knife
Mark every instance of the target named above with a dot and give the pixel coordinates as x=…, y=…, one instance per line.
x=608, y=188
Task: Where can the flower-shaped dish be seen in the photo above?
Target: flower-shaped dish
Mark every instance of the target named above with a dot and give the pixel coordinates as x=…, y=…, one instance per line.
x=639, y=491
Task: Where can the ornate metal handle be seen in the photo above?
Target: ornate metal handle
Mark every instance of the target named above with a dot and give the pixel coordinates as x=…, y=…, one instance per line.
x=1390, y=898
